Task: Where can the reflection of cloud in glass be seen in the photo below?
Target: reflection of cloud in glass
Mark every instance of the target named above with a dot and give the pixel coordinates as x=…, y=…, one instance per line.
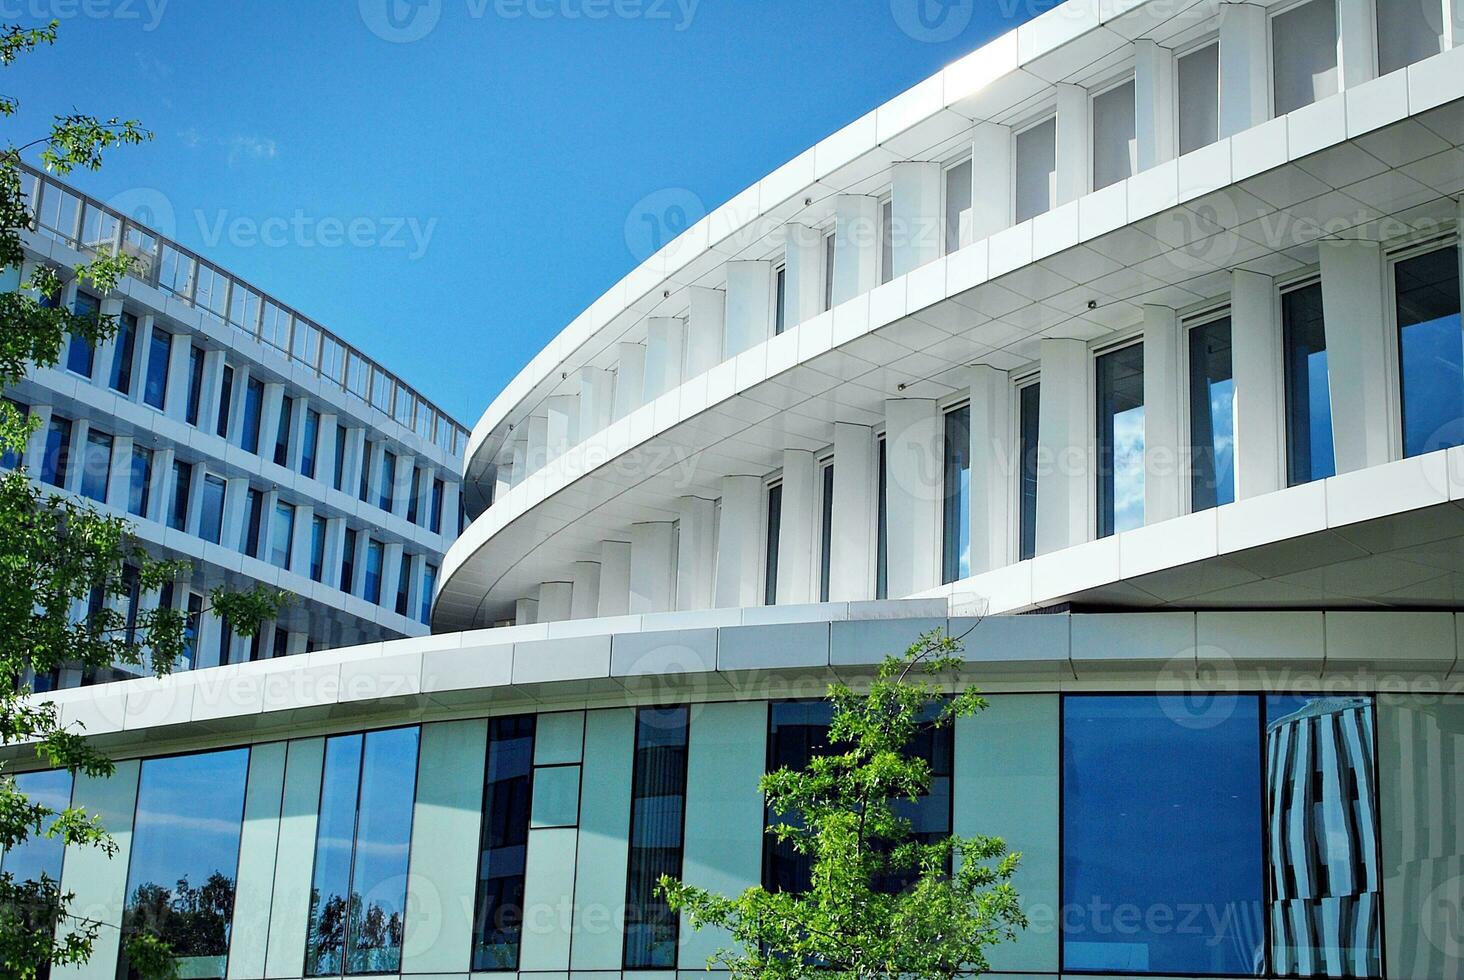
x=1128, y=469
x=1222, y=415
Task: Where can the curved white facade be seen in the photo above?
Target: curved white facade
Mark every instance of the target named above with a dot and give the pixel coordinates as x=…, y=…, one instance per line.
x=858, y=294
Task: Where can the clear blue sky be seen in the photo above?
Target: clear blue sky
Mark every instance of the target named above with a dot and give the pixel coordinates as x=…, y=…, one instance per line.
x=516, y=138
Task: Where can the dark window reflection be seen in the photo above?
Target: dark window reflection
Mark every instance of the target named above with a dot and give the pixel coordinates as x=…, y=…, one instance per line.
x=1120, y=440
x=1212, y=415
x=1030, y=399
x=1308, y=392
x=770, y=551
x=657, y=821
x=956, y=517
x=1431, y=351
x=185, y=857
x=1322, y=862
x=507, y=797
x=358, y=896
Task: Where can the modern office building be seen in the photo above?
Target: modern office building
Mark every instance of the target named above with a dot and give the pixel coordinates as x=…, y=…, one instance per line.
x=237, y=434
x=1127, y=347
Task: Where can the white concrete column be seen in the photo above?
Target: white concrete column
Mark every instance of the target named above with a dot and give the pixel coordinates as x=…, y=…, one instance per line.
x=555, y=601
x=525, y=612
x=665, y=344
x=391, y=575
x=630, y=379
x=1065, y=478
x=749, y=305
x=914, y=492
x=856, y=246
x=414, y=592
x=1245, y=83
x=1357, y=49
x=706, y=322
x=1255, y=353
x=1154, y=93
x=236, y=511
x=652, y=568
x=175, y=398
x=325, y=451
x=852, y=536
x=269, y=419
x=596, y=401
x=585, y=590
x=1364, y=417
x=119, y=477
x=696, y=553
x=355, y=457
x=798, y=529
x=561, y=429
x=991, y=195
x=916, y=198
x=739, y=543
x=300, y=546
x=1167, y=452
x=377, y=451
x=614, y=578
x=994, y=466
x=335, y=551
x=1074, y=143
x=401, y=490
x=266, y=527
x=804, y=247
x=159, y=495
x=297, y=434
x=537, y=453
x=106, y=350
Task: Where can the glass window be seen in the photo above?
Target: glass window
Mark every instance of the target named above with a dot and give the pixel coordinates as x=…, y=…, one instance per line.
x=1408, y=31
x=121, y=379
x=80, y=355
x=367, y=452
x=375, y=554
x=780, y=301
x=404, y=585
x=429, y=589
x=438, y=489
x=340, y=457
x=317, y=548
x=56, y=461
x=185, y=856
x=195, y=383
x=282, y=433
x=1324, y=884
x=507, y=798
x=211, y=517
x=226, y=402
x=828, y=271
x=1120, y=440
x=1212, y=416
x=159, y=352
x=39, y=857
x=282, y=535
x=887, y=240
x=770, y=551
x=139, y=481
x=253, y=409
x=1308, y=394
x=311, y=443
x=253, y=519
x=348, y=561
x=956, y=508
x=657, y=822
x=96, y=466
x=359, y=890
x=1144, y=780
x=1029, y=408
x=1115, y=140
x=414, y=495
x=10, y=458
x=1199, y=97
x=958, y=229
x=1036, y=169
x=388, y=480
x=882, y=528
x=190, y=630
x=182, y=489
x=1304, y=55
x=244, y=308
x=826, y=531
x=1431, y=350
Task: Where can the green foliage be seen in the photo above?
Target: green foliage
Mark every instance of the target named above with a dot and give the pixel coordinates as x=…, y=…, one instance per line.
x=958, y=900
x=59, y=555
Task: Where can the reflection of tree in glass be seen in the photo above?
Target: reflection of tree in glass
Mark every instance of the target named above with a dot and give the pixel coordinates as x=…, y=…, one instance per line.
x=375, y=936
x=193, y=921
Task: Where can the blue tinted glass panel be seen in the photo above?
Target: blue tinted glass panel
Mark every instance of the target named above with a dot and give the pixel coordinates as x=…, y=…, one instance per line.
x=374, y=557
x=282, y=535
x=325, y=944
x=882, y=528
x=40, y=856
x=121, y=378
x=311, y=442
x=253, y=406
x=1308, y=392
x=155, y=386
x=1432, y=351
x=507, y=797
x=1155, y=790
x=211, y=517
x=96, y=466
x=1121, y=440
x=185, y=856
x=383, y=835
x=826, y=533
x=317, y=549
x=429, y=589
x=657, y=817
x=56, y=459
x=80, y=355
x=956, y=541
x=195, y=384
x=139, y=481
x=1030, y=406
x=770, y=550
x=1212, y=416
x=388, y=480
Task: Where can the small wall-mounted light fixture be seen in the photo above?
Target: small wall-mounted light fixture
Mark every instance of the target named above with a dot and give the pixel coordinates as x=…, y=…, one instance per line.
x=1092, y=304
x=563, y=375
x=807, y=201
x=665, y=294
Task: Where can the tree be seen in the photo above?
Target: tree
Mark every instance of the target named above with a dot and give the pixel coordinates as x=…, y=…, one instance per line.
x=842, y=812
x=58, y=555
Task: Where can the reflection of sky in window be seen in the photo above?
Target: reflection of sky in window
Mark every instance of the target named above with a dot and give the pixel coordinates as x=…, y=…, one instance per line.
x=1432, y=351
x=189, y=813
x=1319, y=405
x=40, y=855
x=1140, y=792
x=384, y=828
x=1128, y=469
x=1222, y=415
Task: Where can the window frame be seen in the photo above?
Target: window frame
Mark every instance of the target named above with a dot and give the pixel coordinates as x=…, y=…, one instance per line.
x=1108, y=345
x=1127, y=76
x=1401, y=252
x=1019, y=385
x=1203, y=316
x=1208, y=39
x=1046, y=114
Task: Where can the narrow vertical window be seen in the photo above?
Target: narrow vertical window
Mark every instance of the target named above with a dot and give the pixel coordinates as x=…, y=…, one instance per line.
x=429, y=589
x=55, y=462
x=366, y=453
x=887, y=240
x=1431, y=350
x=195, y=384
x=404, y=585
x=770, y=550
x=190, y=630
x=10, y=458
x=339, y=477
x=1408, y=32
x=828, y=271
x=211, y=514
x=438, y=489
x=182, y=490
x=1029, y=409
x=958, y=206
x=80, y=354
x=139, y=481
x=282, y=535
x=1115, y=141
x=1199, y=97
x=159, y=353
x=780, y=300
x=226, y=402
x=253, y=520
x=253, y=409
x=282, y=432
x=956, y=516
x=375, y=556
x=1120, y=440
x=826, y=532
x=882, y=528
x=310, y=444
x=39, y=858
x=507, y=802
x=121, y=379
x=1212, y=416
x=96, y=465
x=358, y=892
x=388, y=481
x=414, y=495
x=1308, y=393
x=317, y=548
x=1036, y=170
x=1304, y=55
x=657, y=822
x=348, y=561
